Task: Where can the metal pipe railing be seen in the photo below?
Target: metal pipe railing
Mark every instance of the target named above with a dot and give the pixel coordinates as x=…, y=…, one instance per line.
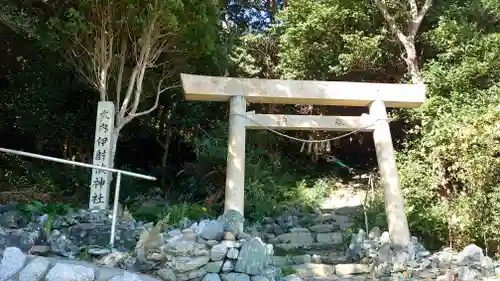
x=85, y=165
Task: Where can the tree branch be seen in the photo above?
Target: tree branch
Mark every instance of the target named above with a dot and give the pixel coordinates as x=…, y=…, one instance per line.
x=418, y=18
x=157, y=101
x=128, y=94
x=390, y=19
x=119, y=80
x=413, y=8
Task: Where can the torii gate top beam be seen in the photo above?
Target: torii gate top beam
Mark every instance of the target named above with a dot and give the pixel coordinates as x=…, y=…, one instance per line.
x=214, y=88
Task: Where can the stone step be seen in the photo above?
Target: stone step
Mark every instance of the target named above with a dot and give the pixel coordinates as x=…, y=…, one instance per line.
x=330, y=259
x=301, y=249
x=326, y=271
x=312, y=270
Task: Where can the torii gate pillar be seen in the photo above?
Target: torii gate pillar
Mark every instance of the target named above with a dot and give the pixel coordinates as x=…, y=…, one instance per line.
x=235, y=171
x=393, y=198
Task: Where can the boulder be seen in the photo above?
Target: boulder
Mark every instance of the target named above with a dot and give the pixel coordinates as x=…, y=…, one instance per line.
x=185, y=264
x=218, y=252
x=234, y=277
x=301, y=238
x=12, y=262
x=211, y=277
x=233, y=222
x=252, y=258
x=35, y=270
x=213, y=230
x=70, y=272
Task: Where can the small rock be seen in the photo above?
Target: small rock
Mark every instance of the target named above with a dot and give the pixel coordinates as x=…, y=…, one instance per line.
x=35, y=270
x=385, y=238
x=252, y=258
x=292, y=277
x=229, y=236
x=448, y=276
x=299, y=229
x=174, y=233
x=230, y=243
x=211, y=277
x=234, y=277
x=302, y=259
x=63, y=246
x=302, y=238
x=213, y=230
x=316, y=258
x=233, y=253
x=185, y=264
x=182, y=246
x=227, y=266
x=375, y=233
x=281, y=261
x=351, y=269
x=99, y=251
x=12, y=262
x=330, y=238
x=471, y=253
x=166, y=274
x=195, y=274
x=218, y=252
x=70, y=272
x=211, y=243
x=322, y=228
x=126, y=276
x=259, y=278
x=155, y=257
x=272, y=273
x=427, y=274
x=214, y=266
x=466, y=273
x=39, y=250
x=233, y=222
x=244, y=236
x=313, y=270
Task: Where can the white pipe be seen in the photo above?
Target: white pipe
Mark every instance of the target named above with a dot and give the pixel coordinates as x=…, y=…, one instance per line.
x=115, y=210
x=64, y=161
x=117, y=186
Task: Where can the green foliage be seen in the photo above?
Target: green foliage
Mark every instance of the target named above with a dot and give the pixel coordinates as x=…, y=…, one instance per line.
x=450, y=171
x=50, y=210
x=267, y=192
x=256, y=55
x=329, y=39
x=22, y=181
x=174, y=214
x=286, y=271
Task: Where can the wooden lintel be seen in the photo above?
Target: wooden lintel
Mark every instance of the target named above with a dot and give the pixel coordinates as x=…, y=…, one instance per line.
x=213, y=88
x=309, y=122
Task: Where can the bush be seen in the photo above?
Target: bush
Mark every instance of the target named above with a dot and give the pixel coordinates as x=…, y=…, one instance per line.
x=22, y=181
x=157, y=210
x=269, y=190
x=451, y=176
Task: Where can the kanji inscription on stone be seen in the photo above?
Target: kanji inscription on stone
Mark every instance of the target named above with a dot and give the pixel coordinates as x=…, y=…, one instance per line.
x=99, y=184
x=281, y=120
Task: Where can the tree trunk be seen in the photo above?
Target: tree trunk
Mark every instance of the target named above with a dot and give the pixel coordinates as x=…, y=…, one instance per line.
x=166, y=143
x=407, y=40
x=114, y=145
x=412, y=62
x=166, y=149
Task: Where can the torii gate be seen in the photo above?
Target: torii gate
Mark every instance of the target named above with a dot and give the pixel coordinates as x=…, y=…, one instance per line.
x=376, y=96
